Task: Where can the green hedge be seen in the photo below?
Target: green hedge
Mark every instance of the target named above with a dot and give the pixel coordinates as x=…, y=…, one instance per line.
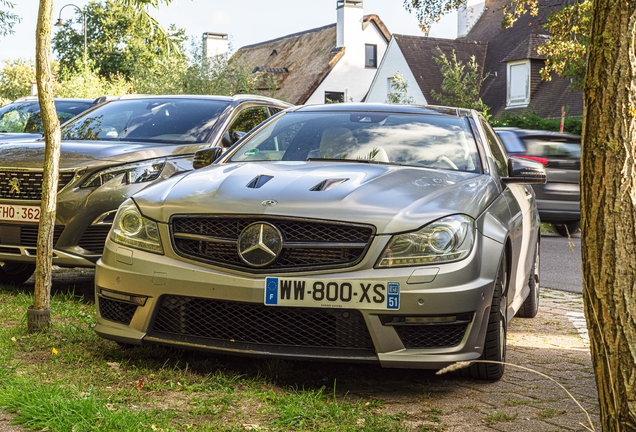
x=533, y=121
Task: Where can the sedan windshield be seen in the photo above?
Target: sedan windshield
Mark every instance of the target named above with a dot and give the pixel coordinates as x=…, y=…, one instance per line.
x=148, y=120
x=406, y=139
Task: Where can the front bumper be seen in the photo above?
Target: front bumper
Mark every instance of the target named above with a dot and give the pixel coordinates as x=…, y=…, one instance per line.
x=83, y=220
x=144, y=298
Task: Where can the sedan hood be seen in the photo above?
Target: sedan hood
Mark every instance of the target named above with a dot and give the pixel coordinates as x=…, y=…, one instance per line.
x=390, y=197
x=78, y=154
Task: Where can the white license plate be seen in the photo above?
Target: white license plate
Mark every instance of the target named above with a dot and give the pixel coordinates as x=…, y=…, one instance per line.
x=19, y=213
x=355, y=294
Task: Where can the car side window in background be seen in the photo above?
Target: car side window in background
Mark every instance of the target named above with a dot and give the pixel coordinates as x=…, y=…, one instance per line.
x=248, y=119
x=499, y=154
x=512, y=143
x=14, y=117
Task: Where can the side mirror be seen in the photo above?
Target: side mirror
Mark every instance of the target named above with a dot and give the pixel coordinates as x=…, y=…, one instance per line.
x=206, y=157
x=524, y=171
x=237, y=135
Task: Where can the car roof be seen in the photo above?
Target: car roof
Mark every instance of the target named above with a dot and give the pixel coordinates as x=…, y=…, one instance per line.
x=35, y=99
x=380, y=107
x=235, y=98
x=533, y=132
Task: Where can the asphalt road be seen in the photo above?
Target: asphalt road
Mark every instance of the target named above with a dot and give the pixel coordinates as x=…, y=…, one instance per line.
x=561, y=263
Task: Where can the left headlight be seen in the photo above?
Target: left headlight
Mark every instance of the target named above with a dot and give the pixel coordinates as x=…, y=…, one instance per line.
x=133, y=173
x=447, y=239
x=132, y=229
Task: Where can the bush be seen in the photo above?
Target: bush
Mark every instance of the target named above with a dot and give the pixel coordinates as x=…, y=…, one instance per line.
x=571, y=125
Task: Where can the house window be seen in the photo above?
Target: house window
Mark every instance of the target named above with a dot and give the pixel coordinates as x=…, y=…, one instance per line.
x=334, y=97
x=518, y=84
x=371, y=56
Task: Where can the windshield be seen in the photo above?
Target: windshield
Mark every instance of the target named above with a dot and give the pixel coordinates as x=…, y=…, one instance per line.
x=148, y=120
x=407, y=139
x=24, y=117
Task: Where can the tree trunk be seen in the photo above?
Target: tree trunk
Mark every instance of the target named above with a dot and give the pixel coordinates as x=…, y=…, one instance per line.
x=608, y=204
x=39, y=315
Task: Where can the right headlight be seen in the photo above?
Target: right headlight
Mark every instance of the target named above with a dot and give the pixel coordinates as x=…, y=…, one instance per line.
x=139, y=172
x=132, y=229
x=447, y=239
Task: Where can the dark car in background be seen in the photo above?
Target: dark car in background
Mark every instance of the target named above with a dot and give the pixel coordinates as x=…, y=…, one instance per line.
x=559, y=200
x=107, y=154
x=21, y=119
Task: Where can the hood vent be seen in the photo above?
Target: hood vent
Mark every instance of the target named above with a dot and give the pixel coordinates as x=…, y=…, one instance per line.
x=259, y=181
x=327, y=184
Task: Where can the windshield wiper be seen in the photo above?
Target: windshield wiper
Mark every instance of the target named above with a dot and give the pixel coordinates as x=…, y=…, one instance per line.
x=369, y=161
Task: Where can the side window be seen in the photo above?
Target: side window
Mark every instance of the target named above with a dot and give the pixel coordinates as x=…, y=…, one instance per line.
x=371, y=56
x=499, y=154
x=247, y=120
x=334, y=97
x=518, y=86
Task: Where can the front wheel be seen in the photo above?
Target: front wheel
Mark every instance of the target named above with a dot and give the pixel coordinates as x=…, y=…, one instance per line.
x=15, y=273
x=495, y=343
x=530, y=306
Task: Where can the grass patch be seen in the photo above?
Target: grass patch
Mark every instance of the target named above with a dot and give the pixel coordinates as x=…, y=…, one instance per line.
x=497, y=417
x=549, y=413
x=68, y=378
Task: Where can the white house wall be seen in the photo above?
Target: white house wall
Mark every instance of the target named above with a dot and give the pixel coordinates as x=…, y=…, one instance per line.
x=350, y=75
x=393, y=62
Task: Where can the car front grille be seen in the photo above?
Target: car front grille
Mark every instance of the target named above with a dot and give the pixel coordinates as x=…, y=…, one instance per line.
x=307, y=244
x=25, y=235
x=252, y=323
x=27, y=185
x=94, y=238
x=116, y=311
x=432, y=336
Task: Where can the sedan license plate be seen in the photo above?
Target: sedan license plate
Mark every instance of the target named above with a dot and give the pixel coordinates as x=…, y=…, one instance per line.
x=355, y=294
x=19, y=213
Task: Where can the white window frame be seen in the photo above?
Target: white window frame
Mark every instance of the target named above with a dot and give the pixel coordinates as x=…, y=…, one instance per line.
x=517, y=101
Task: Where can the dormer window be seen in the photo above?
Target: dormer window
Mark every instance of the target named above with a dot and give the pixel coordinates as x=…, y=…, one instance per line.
x=518, y=86
x=371, y=56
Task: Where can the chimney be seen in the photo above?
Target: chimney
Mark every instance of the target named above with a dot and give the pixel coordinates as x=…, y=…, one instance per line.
x=468, y=14
x=215, y=44
x=349, y=26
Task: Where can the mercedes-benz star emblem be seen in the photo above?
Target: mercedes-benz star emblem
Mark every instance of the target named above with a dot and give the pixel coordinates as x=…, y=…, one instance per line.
x=15, y=185
x=269, y=203
x=259, y=244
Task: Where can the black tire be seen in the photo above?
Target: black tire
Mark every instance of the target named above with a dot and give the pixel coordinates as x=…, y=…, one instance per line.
x=15, y=273
x=495, y=343
x=530, y=306
x=566, y=229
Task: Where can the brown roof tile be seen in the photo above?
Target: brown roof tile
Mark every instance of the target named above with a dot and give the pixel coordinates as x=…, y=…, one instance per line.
x=419, y=51
x=504, y=44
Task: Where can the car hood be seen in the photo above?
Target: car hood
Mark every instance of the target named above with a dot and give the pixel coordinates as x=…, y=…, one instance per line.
x=18, y=136
x=392, y=198
x=78, y=154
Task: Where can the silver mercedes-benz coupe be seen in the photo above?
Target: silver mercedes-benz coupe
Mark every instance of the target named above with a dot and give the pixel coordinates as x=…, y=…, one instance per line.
x=400, y=235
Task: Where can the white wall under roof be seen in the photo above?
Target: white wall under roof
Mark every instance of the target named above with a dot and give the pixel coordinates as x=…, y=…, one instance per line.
x=468, y=14
x=393, y=62
x=350, y=75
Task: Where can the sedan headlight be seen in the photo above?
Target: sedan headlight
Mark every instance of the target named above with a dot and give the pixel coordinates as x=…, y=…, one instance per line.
x=130, y=228
x=447, y=239
x=133, y=173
